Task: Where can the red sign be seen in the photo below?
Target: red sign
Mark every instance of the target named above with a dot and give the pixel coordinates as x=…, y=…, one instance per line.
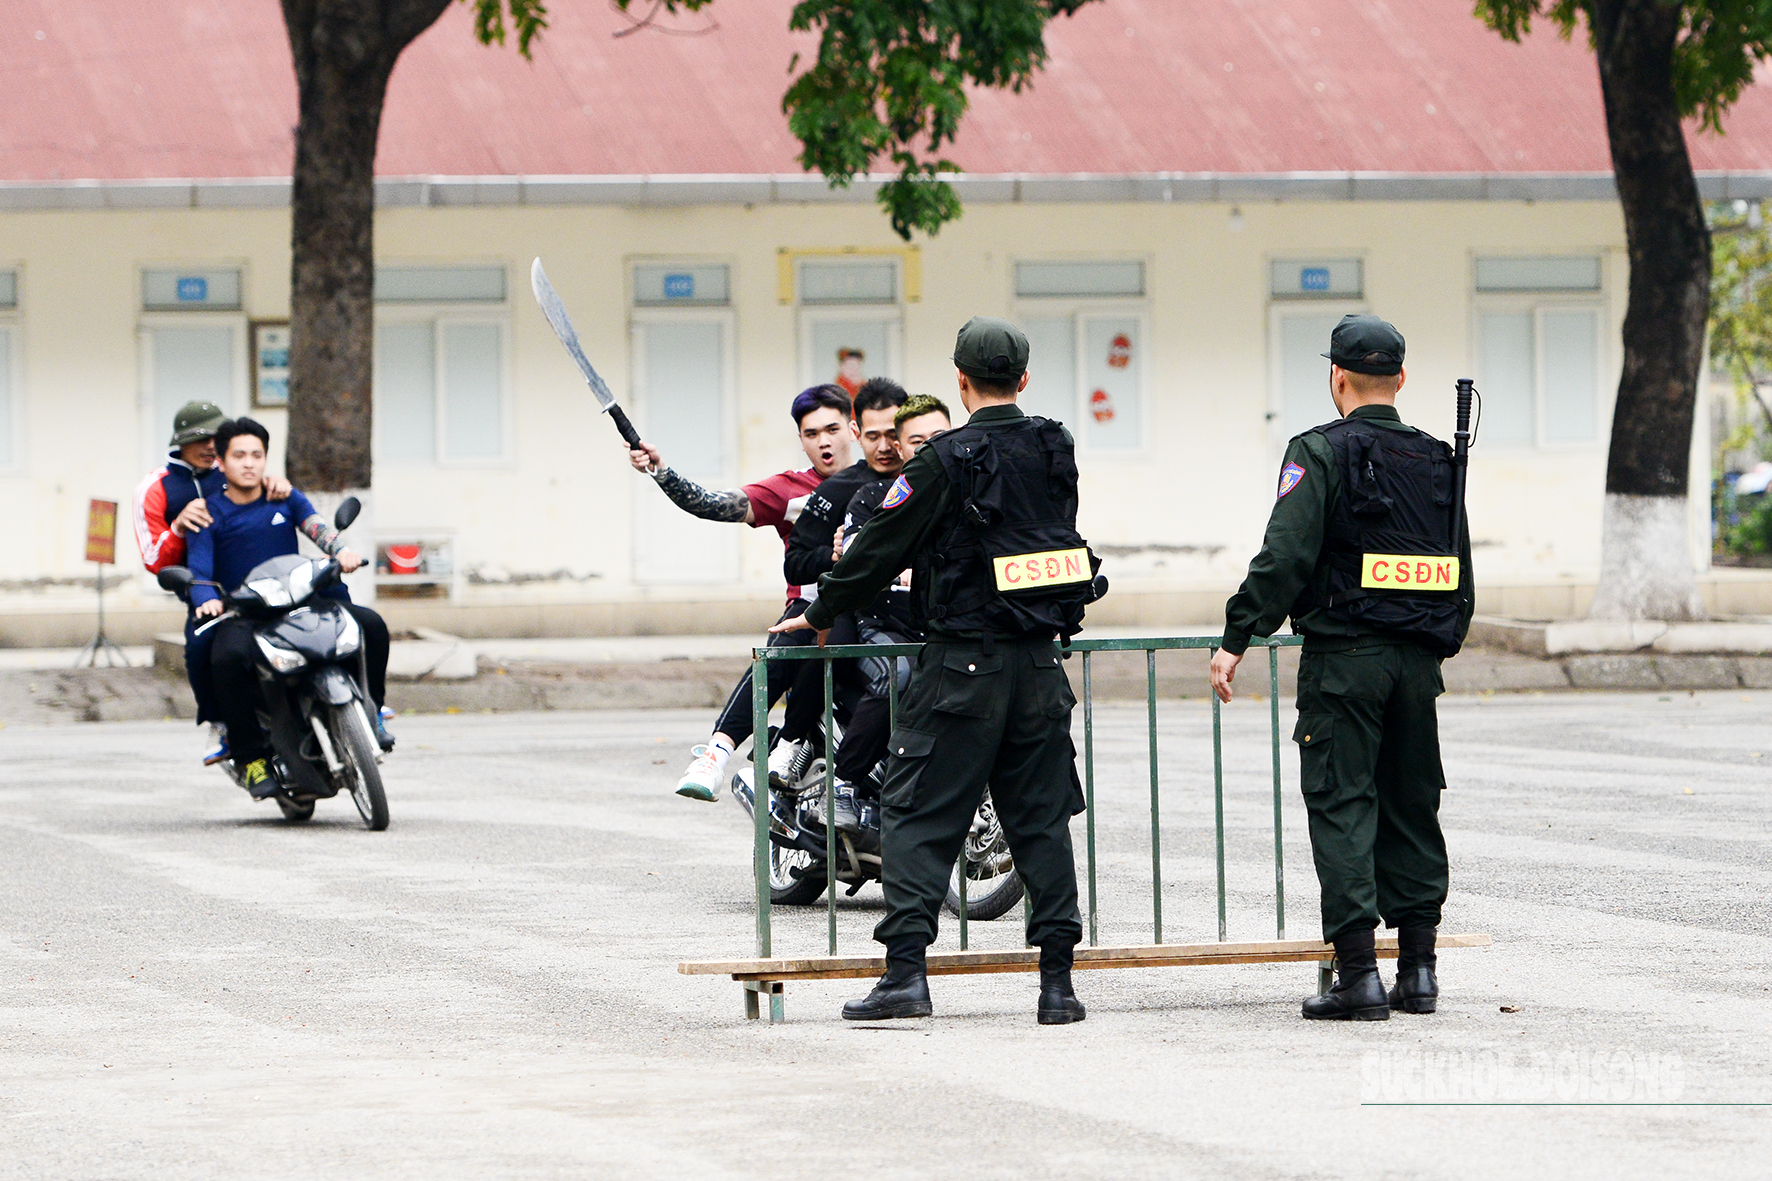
x=101, y=532
x=1120, y=352
x=1102, y=406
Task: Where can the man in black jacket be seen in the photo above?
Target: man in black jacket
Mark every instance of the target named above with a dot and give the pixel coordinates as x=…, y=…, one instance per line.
x=809, y=555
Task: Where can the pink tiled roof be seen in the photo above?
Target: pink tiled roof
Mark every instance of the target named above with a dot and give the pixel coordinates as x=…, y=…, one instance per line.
x=121, y=89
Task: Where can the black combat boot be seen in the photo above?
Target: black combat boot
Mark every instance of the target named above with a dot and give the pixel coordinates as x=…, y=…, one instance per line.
x=1358, y=994
x=1416, y=989
x=1058, y=1003
x=902, y=992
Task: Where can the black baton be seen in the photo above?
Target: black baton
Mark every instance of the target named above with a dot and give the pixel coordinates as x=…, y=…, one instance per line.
x=1461, y=457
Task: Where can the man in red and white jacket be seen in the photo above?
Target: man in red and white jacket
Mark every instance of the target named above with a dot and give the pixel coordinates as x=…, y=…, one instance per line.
x=168, y=506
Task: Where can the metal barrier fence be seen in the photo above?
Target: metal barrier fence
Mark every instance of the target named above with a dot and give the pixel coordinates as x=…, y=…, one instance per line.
x=1149, y=646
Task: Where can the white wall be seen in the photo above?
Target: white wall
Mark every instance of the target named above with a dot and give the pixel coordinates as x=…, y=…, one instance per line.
x=1204, y=479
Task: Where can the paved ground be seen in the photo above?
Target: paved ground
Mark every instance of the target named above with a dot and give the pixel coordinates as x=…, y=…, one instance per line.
x=191, y=988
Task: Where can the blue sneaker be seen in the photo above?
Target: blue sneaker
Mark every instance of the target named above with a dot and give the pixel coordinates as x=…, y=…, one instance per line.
x=382, y=736
x=219, y=753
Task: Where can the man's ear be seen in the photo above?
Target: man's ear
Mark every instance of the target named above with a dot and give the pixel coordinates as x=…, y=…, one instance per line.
x=1024, y=382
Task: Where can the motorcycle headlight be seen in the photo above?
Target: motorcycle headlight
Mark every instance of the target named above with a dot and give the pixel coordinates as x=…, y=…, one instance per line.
x=271, y=590
x=349, y=635
x=301, y=582
x=281, y=659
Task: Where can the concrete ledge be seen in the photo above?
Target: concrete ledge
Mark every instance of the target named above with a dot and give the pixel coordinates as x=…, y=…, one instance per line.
x=1751, y=637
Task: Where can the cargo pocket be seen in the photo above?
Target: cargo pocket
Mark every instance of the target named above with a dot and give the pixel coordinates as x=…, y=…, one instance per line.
x=1052, y=686
x=970, y=684
x=1314, y=735
x=907, y=754
x=1359, y=675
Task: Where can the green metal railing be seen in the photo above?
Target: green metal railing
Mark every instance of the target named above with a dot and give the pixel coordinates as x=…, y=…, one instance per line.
x=1088, y=648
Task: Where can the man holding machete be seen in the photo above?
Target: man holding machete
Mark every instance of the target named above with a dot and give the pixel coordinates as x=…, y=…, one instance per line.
x=823, y=417
x=825, y=431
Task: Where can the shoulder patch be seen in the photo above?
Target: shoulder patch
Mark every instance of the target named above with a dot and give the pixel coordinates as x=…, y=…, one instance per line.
x=897, y=494
x=1290, y=475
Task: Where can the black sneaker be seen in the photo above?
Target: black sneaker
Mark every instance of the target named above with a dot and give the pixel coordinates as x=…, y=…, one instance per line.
x=259, y=780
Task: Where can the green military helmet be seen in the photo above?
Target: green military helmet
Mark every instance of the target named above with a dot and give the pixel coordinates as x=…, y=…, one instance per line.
x=196, y=421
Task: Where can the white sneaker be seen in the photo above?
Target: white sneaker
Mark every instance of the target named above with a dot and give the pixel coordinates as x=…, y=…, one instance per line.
x=787, y=762
x=702, y=780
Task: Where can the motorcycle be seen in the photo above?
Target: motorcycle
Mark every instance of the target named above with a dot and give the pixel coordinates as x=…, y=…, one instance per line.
x=797, y=842
x=314, y=698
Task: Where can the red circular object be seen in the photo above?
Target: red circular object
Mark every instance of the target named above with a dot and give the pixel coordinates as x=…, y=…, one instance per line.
x=404, y=559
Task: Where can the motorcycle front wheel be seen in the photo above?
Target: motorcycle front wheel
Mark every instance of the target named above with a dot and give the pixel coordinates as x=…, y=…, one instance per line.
x=356, y=749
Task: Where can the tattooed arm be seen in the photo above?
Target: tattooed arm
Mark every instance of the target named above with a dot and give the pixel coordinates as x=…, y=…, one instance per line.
x=732, y=506
x=321, y=534
x=708, y=504
x=327, y=538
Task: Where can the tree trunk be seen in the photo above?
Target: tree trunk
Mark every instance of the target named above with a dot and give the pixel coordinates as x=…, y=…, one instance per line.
x=1646, y=568
x=344, y=53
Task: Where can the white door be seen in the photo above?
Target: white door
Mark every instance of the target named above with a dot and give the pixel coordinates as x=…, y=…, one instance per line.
x=682, y=378
x=1300, y=378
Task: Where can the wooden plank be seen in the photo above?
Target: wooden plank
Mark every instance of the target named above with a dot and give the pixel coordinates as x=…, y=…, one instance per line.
x=952, y=963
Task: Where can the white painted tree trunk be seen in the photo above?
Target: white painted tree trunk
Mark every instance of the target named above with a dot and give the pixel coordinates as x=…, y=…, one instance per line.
x=360, y=537
x=1646, y=561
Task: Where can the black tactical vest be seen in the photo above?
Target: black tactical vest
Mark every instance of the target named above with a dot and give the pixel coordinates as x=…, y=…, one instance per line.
x=1390, y=562
x=1012, y=563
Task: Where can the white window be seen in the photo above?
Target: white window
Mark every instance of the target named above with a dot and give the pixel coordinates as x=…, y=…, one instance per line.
x=1086, y=336
x=10, y=441
x=11, y=435
x=1072, y=279
x=1539, y=351
x=850, y=323
x=441, y=349
x=682, y=402
x=191, y=290
x=1317, y=278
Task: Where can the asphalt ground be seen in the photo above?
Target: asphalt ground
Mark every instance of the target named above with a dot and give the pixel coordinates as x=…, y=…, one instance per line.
x=193, y=988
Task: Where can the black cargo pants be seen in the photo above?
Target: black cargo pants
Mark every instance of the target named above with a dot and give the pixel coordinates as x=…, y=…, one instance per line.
x=973, y=716
x=1369, y=751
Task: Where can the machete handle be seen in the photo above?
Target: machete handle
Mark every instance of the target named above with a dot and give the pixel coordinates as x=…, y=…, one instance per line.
x=625, y=427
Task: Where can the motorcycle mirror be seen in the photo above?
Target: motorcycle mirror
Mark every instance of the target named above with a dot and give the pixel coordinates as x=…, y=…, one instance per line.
x=176, y=579
x=347, y=512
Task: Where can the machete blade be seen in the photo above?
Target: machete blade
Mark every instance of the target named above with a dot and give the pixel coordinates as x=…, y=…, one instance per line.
x=555, y=311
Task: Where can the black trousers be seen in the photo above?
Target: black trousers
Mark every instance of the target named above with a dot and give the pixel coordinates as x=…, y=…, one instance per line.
x=197, y=646
x=801, y=680
x=735, y=717
x=973, y=718
x=870, y=722
x=233, y=663
x=1369, y=750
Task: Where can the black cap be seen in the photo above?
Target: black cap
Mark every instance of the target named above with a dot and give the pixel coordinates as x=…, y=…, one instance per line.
x=991, y=349
x=1366, y=344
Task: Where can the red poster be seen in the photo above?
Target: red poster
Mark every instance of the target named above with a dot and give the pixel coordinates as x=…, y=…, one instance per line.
x=101, y=532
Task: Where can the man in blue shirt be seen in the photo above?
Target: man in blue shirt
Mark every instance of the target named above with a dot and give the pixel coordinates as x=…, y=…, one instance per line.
x=248, y=529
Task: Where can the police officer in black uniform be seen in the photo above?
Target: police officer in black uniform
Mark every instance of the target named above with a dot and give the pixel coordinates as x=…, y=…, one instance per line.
x=985, y=517
x=1359, y=552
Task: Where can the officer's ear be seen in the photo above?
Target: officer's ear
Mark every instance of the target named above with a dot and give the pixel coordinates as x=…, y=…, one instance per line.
x=1023, y=383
